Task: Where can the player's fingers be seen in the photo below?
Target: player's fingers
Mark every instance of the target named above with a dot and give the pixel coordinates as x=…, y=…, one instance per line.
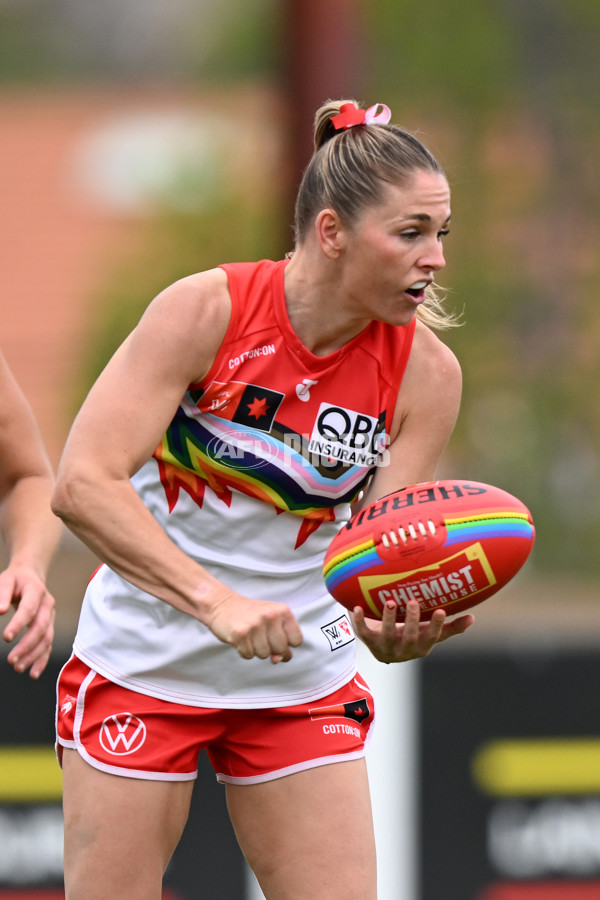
x=242, y=641
x=388, y=618
x=433, y=632
x=359, y=623
x=34, y=611
x=293, y=638
x=288, y=634
x=39, y=631
x=33, y=649
x=271, y=637
x=411, y=636
x=27, y=606
x=278, y=645
x=386, y=636
x=40, y=664
x=293, y=632
x=412, y=619
x=357, y=617
x=35, y=657
x=7, y=591
x=457, y=626
x=436, y=624
x=256, y=644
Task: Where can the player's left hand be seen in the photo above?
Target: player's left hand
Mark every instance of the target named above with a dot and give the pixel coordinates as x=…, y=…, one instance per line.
x=391, y=641
x=23, y=589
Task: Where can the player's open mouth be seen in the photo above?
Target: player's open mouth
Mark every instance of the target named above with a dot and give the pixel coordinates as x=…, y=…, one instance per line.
x=417, y=290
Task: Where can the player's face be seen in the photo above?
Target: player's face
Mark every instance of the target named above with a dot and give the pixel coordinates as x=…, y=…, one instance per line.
x=395, y=249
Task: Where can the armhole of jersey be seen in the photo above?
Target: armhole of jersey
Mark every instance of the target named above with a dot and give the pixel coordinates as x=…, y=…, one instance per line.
x=231, y=328
x=401, y=369
x=410, y=336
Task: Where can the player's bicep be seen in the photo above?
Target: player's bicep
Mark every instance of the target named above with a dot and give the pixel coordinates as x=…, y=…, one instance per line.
x=120, y=422
x=133, y=401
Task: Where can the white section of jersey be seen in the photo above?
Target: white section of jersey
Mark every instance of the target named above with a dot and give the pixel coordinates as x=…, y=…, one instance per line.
x=141, y=642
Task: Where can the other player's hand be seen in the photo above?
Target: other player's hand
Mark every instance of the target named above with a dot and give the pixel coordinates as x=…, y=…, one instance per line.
x=23, y=589
x=392, y=641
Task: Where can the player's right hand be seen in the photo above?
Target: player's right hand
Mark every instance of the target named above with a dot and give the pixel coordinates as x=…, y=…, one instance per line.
x=255, y=627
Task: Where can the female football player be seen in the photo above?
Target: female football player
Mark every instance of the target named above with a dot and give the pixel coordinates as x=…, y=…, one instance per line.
x=209, y=468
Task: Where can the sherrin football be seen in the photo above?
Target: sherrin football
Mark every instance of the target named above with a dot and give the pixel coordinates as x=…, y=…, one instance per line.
x=447, y=544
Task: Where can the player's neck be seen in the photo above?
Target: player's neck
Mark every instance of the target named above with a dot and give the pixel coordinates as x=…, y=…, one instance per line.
x=316, y=305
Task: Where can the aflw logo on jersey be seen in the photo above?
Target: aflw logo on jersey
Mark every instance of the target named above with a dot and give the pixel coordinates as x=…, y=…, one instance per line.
x=345, y=436
x=338, y=633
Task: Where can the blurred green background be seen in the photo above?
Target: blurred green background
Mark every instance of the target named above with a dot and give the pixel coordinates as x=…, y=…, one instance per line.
x=503, y=92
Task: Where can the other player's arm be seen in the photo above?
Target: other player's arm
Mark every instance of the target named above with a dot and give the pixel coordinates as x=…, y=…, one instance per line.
x=425, y=415
x=29, y=530
x=116, y=431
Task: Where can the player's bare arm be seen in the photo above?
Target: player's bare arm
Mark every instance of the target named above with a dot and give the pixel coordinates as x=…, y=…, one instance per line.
x=29, y=530
x=426, y=412
x=117, y=430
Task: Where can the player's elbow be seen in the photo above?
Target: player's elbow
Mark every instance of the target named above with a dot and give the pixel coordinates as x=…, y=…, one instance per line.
x=71, y=496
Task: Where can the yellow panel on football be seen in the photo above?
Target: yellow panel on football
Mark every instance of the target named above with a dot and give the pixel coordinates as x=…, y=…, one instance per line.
x=370, y=584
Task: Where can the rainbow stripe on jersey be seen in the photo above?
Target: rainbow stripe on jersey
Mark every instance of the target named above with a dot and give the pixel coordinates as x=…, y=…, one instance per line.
x=196, y=453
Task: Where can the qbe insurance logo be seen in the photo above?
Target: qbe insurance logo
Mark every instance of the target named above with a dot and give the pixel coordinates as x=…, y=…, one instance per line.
x=345, y=436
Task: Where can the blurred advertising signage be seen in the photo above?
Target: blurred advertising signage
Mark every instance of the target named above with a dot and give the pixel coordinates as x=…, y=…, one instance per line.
x=31, y=819
x=31, y=823
x=510, y=776
x=545, y=818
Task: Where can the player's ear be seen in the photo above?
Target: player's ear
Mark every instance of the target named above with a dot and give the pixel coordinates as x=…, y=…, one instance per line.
x=330, y=233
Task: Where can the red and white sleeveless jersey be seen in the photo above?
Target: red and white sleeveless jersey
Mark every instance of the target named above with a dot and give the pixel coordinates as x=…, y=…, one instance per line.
x=252, y=479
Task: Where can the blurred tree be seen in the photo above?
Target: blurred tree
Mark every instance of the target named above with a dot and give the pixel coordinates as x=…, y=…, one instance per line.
x=61, y=41
x=504, y=88
x=177, y=244
x=324, y=59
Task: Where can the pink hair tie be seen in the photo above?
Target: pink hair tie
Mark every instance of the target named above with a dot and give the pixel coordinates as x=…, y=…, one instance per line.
x=350, y=115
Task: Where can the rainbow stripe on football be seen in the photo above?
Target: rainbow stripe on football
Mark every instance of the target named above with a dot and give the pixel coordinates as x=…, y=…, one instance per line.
x=349, y=562
x=447, y=544
x=498, y=525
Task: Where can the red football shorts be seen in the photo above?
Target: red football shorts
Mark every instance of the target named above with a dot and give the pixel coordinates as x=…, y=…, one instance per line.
x=127, y=733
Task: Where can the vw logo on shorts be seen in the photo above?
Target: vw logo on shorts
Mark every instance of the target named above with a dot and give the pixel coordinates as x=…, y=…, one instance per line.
x=122, y=733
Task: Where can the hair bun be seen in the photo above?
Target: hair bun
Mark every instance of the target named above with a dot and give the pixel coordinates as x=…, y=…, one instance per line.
x=323, y=128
